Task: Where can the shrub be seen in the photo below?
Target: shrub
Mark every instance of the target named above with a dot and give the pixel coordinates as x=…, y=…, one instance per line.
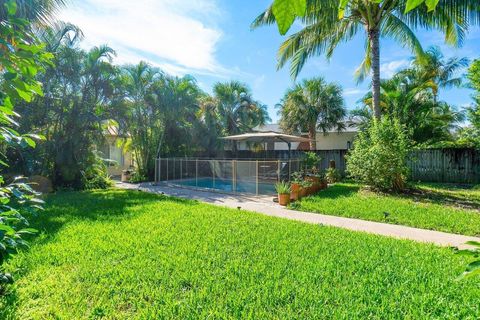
x=332, y=175
x=379, y=156
x=311, y=162
x=137, y=177
x=95, y=175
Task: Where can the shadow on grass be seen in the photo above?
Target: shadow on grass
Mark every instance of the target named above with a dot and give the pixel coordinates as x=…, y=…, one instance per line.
x=337, y=191
x=442, y=197
x=66, y=207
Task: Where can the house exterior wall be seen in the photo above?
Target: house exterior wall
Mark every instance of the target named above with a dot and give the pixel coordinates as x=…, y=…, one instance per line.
x=330, y=141
x=335, y=140
x=123, y=159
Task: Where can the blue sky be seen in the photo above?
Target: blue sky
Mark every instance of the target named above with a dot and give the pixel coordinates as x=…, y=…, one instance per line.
x=212, y=40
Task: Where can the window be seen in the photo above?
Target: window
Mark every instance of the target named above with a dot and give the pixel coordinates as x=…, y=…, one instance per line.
x=116, y=155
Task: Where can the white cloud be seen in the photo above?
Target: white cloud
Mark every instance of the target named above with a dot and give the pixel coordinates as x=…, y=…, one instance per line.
x=353, y=91
x=388, y=69
x=171, y=34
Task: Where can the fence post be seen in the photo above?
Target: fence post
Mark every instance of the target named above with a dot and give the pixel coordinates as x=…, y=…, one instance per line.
x=167, y=171
x=181, y=169
x=278, y=170
x=289, y=169
x=256, y=177
x=234, y=176
x=196, y=172
x=213, y=173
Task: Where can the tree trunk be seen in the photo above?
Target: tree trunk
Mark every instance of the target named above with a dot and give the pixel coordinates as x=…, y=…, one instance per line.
x=374, y=39
x=312, y=135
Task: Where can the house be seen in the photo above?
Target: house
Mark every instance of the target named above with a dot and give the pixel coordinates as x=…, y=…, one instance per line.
x=113, y=149
x=332, y=140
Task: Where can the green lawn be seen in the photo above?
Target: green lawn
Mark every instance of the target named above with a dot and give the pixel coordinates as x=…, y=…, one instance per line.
x=128, y=254
x=439, y=207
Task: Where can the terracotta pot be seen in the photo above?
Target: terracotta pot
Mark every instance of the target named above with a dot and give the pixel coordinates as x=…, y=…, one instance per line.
x=295, y=191
x=283, y=199
x=313, y=179
x=303, y=192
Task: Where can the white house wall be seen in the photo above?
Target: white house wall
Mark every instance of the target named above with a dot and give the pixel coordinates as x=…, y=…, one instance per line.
x=334, y=140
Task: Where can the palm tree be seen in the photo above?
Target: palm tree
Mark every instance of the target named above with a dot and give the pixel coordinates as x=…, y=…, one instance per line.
x=237, y=110
x=408, y=97
x=36, y=11
x=443, y=73
x=210, y=122
x=312, y=105
x=325, y=27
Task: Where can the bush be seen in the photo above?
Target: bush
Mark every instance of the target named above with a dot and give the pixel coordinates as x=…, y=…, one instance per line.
x=332, y=175
x=95, y=175
x=137, y=177
x=311, y=162
x=379, y=156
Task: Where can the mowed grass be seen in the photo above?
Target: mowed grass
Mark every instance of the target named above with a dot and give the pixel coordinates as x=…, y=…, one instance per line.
x=131, y=255
x=438, y=207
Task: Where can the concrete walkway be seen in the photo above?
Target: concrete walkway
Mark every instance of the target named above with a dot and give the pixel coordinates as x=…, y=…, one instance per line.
x=265, y=205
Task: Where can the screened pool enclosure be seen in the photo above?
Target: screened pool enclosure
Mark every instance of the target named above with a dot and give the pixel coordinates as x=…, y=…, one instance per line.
x=226, y=175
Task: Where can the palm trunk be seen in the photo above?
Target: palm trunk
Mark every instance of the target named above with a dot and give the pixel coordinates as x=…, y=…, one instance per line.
x=374, y=38
x=312, y=135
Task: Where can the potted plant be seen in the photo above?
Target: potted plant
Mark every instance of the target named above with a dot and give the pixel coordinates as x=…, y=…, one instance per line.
x=283, y=190
x=296, y=186
x=305, y=188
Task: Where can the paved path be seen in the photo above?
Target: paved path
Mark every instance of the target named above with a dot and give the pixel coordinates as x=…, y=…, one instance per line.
x=265, y=205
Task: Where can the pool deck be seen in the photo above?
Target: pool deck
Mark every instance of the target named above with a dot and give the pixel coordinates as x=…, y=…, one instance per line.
x=265, y=205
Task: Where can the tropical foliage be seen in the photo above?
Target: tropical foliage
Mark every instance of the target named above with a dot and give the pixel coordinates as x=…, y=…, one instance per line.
x=78, y=91
x=21, y=58
x=470, y=135
x=313, y=105
x=379, y=157
x=411, y=96
x=331, y=22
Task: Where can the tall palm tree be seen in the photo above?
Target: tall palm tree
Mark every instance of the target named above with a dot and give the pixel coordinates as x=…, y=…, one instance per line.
x=443, y=73
x=312, y=105
x=237, y=110
x=325, y=27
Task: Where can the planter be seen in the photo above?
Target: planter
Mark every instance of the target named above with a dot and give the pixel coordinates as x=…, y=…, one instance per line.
x=126, y=174
x=303, y=192
x=283, y=199
x=313, y=179
x=295, y=191
x=323, y=185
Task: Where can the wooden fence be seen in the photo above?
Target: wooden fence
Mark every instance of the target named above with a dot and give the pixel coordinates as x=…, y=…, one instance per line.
x=430, y=165
x=445, y=165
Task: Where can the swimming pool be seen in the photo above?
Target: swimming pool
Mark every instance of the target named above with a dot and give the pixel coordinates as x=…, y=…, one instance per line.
x=226, y=185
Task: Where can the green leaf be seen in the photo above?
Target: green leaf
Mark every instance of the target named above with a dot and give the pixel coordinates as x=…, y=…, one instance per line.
x=341, y=8
x=11, y=6
x=473, y=243
x=286, y=11
x=431, y=4
x=8, y=230
x=412, y=4
x=30, y=142
x=27, y=231
x=27, y=96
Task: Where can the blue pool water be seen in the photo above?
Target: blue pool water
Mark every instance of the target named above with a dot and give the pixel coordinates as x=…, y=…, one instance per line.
x=227, y=185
